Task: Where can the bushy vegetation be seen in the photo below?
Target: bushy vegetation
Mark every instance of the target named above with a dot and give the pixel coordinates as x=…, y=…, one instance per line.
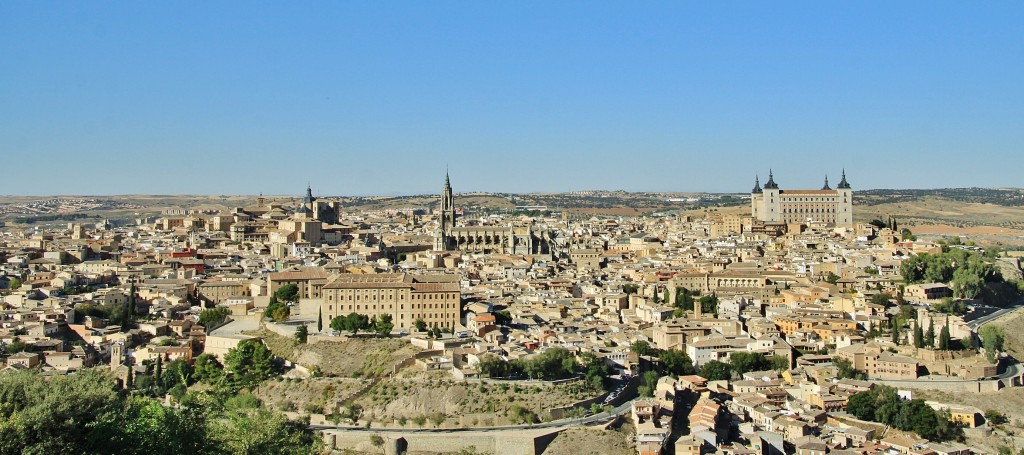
x=89, y=413
x=686, y=298
x=846, y=370
x=213, y=317
x=992, y=338
x=278, y=310
x=716, y=371
x=882, y=404
x=552, y=364
x=355, y=322
x=970, y=274
x=676, y=362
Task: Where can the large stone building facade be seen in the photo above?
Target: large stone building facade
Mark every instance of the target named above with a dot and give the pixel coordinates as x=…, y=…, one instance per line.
x=773, y=205
x=489, y=239
x=436, y=299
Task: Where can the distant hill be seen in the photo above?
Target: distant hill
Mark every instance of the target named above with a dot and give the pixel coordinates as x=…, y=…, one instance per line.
x=992, y=214
x=1011, y=197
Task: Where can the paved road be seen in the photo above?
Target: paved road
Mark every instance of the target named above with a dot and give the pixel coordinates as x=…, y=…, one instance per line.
x=588, y=420
x=980, y=316
x=1012, y=370
x=989, y=314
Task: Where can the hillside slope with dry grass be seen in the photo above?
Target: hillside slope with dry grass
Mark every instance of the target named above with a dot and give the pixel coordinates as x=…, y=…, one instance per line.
x=347, y=357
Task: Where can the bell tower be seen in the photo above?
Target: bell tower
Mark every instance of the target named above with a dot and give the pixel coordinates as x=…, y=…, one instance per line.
x=443, y=240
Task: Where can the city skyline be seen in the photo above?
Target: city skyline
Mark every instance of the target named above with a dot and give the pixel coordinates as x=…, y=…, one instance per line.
x=378, y=99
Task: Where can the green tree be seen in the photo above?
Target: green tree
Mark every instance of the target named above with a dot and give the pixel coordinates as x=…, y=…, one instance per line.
x=158, y=375
x=16, y=346
x=249, y=363
x=301, y=334
x=143, y=425
x=276, y=310
x=779, y=363
x=287, y=293
x=992, y=338
x=944, y=336
x=676, y=362
x=744, y=362
x=384, y=326
x=420, y=325
x=353, y=322
x=320, y=321
x=846, y=370
x=83, y=413
x=861, y=406
x=595, y=370
x=882, y=404
x=630, y=288
x=918, y=335
x=709, y=304
x=206, y=368
x=995, y=417
x=503, y=317
x=492, y=366
x=14, y=284
x=259, y=431
x=716, y=371
x=832, y=278
x=929, y=336
x=650, y=383
x=882, y=298
x=176, y=372
x=684, y=298
x=213, y=317
x=132, y=307
x=641, y=347
x=48, y=415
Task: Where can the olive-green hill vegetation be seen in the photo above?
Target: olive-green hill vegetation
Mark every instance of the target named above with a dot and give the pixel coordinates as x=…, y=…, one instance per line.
x=211, y=410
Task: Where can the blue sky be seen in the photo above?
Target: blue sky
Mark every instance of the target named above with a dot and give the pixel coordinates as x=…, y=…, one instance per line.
x=379, y=97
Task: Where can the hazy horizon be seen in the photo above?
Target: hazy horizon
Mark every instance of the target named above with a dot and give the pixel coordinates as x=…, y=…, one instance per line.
x=469, y=192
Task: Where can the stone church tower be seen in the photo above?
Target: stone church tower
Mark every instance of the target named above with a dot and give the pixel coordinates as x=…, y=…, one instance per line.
x=443, y=239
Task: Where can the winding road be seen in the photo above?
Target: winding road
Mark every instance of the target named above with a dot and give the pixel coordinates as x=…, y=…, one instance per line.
x=600, y=417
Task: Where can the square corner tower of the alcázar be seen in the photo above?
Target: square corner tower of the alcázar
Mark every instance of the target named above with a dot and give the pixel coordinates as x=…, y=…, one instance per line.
x=772, y=205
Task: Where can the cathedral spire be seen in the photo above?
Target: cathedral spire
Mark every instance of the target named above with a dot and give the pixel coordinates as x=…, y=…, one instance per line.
x=443, y=240
x=826, y=187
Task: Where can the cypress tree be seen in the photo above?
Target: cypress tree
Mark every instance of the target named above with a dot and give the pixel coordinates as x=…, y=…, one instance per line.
x=131, y=301
x=944, y=336
x=894, y=325
x=919, y=335
x=320, y=321
x=929, y=336
x=129, y=381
